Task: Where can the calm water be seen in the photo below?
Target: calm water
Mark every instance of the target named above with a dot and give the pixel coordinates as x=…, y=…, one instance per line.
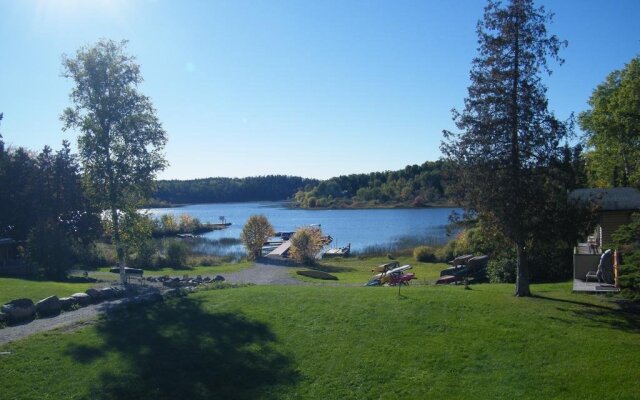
x=361, y=228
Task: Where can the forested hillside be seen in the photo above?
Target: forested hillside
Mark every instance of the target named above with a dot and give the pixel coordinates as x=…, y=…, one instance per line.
x=413, y=186
x=221, y=190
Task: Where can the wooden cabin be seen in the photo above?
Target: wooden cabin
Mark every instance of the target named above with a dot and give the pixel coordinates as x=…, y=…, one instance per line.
x=614, y=208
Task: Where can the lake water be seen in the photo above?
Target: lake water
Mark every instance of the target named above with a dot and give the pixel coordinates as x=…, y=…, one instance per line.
x=361, y=228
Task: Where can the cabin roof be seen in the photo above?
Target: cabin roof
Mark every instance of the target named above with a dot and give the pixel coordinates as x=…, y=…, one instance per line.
x=612, y=199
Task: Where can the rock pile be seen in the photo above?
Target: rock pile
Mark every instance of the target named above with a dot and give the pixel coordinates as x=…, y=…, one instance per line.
x=24, y=309
x=185, y=281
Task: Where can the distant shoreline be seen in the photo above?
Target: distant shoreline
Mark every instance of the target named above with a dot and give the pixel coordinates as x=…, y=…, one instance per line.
x=291, y=205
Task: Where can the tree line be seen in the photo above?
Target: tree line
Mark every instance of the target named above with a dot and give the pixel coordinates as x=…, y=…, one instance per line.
x=224, y=190
x=415, y=185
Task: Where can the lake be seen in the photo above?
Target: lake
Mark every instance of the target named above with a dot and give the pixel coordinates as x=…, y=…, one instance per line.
x=362, y=228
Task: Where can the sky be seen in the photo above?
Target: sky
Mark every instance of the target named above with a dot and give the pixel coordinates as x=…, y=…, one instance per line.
x=314, y=88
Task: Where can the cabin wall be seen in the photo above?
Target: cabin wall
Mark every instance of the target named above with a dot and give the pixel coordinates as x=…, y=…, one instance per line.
x=583, y=263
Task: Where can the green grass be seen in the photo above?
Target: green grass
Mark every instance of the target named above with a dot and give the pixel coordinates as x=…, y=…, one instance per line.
x=341, y=342
x=194, y=271
x=12, y=288
x=354, y=270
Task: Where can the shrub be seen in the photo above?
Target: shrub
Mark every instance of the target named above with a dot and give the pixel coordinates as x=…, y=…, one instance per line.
x=306, y=243
x=255, y=232
x=145, y=255
x=177, y=254
x=447, y=252
x=424, y=254
x=502, y=270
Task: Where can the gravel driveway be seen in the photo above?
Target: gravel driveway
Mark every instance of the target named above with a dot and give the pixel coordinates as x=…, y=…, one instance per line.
x=264, y=274
x=259, y=274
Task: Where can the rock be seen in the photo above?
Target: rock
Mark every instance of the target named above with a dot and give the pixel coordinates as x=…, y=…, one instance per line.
x=206, y=279
x=107, y=293
x=94, y=294
x=49, y=306
x=117, y=291
x=219, y=278
x=19, y=309
x=83, y=299
x=4, y=318
x=67, y=303
x=151, y=298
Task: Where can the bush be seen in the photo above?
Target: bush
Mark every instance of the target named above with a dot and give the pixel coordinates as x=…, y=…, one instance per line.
x=50, y=250
x=177, y=254
x=424, y=254
x=145, y=256
x=502, y=270
x=306, y=243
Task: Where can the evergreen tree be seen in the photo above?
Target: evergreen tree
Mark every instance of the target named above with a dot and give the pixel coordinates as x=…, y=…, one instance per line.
x=509, y=140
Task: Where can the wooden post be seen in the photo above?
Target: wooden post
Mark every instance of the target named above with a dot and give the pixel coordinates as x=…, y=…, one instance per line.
x=615, y=269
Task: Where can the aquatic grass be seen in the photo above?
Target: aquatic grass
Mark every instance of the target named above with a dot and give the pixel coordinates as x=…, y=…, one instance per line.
x=326, y=342
x=402, y=246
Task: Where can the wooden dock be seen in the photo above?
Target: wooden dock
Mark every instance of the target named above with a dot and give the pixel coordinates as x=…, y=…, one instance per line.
x=281, y=251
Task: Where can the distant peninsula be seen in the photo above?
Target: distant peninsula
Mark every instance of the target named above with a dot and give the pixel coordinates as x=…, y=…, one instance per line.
x=414, y=186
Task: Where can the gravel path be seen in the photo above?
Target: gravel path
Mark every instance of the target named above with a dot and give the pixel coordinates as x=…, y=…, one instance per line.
x=69, y=320
x=259, y=274
x=264, y=274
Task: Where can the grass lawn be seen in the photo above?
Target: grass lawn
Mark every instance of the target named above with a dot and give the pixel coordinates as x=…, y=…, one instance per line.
x=194, y=271
x=354, y=270
x=340, y=342
x=12, y=288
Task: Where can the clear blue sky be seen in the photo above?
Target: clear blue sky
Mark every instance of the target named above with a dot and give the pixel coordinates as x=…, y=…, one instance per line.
x=311, y=88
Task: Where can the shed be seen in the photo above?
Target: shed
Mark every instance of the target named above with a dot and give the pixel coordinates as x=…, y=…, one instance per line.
x=614, y=207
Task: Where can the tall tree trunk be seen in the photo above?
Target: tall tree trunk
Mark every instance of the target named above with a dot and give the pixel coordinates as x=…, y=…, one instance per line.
x=522, y=280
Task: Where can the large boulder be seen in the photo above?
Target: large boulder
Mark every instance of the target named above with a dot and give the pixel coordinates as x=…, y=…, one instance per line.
x=83, y=299
x=67, y=303
x=96, y=297
x=107, y=293
x=49, y=306
x=19, y=309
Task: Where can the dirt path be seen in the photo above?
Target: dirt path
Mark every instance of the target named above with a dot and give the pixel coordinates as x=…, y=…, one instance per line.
x=259, y=274
x=264, y=274
x=79, y=317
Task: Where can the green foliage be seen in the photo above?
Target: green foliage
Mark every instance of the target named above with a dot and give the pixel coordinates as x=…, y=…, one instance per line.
x=121, y=139
x=145, y=255
x=424, y=254
x=306, y=243
x=509, y=145
x=415, y=186
x=255, y=233
x=50, y=249
x=221, y=190
x=502, y=270
x=627, y=240
x=612, y=125
x=177, y=253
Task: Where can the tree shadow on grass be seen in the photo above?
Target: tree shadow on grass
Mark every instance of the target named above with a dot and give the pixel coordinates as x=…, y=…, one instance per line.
x=176, y=350
x=621, y=315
